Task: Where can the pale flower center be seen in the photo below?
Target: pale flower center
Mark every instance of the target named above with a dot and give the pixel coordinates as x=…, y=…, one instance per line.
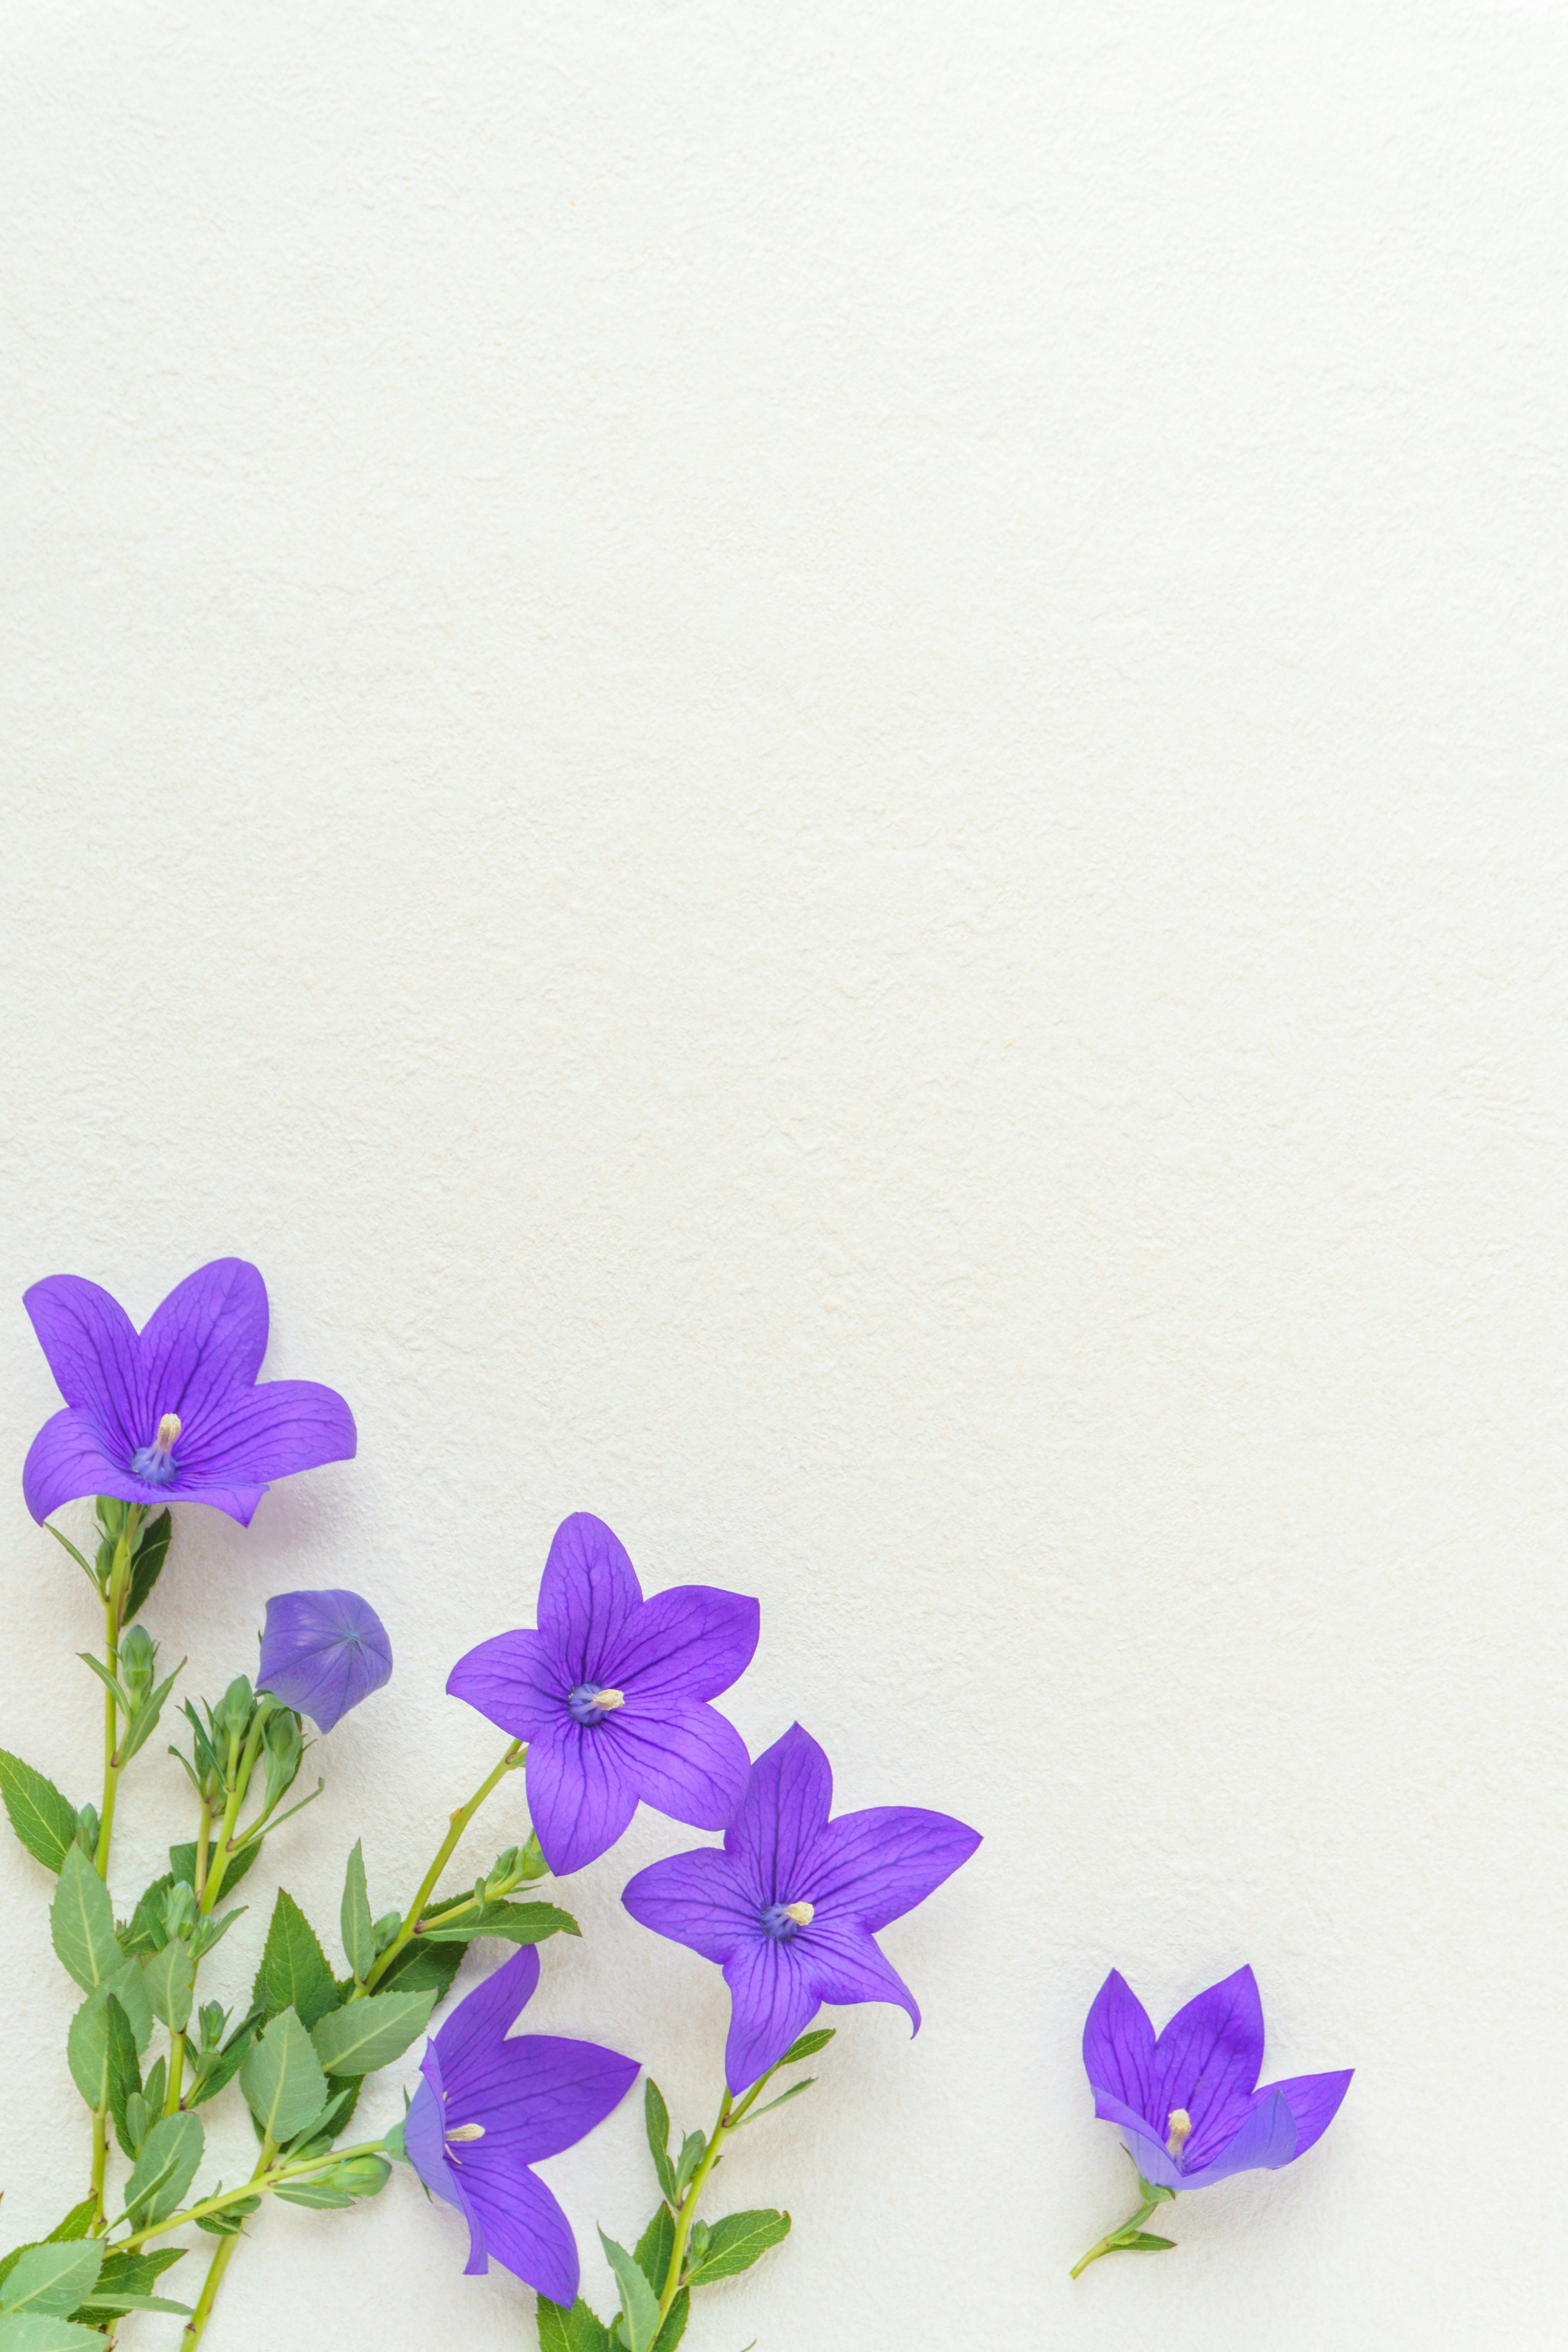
x=1180, y=2131
x=156, y=1462
x=783, y=1920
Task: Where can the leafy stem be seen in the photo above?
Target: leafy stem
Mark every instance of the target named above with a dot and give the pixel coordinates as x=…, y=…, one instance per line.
x=115, y=1591
x=449, y=1846
x=223, y=2255
x=729, y=2119
x=271, y=2172
x=1131, y=2238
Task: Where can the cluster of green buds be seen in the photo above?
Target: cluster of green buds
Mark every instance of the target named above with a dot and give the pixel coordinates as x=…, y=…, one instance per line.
x=135, y=1690
x=246, y=1729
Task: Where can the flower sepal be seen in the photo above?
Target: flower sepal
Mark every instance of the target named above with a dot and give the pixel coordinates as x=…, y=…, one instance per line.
x=1132, y=2238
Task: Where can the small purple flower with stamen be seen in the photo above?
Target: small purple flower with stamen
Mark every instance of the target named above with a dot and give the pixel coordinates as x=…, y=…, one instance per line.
x=611, y=1693
x=489, y=2109
x=321, y=1653
x=173, y=1414
x=791, y=1906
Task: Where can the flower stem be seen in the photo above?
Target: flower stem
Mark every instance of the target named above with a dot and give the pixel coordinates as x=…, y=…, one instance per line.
x=449, y=1846
x=1126, y=2239
x=267, y=2175
x=729, y=2119
x=176, y=2074
x=224, y=2254
x=114, y=1596
x=100, y=2155
x=242, y=1770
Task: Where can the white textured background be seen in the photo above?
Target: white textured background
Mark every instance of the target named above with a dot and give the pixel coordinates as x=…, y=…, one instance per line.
x=812, y=757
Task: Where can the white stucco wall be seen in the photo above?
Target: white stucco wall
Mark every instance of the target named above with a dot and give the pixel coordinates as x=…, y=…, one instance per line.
x=812, y=757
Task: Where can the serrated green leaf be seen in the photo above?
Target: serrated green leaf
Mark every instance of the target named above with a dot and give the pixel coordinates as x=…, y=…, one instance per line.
x=78, y=2223
x=169, y=1978
x=164, y=2170
x=639, y=2304
x=294, y=1972
x=86, y=2050
x=422, y=1966
x=124, y=2076
x=146, y=1931
x=129, y=1990
x=693, y=2148
x=31, y=2331
x=81, y=1924
x=808, y=2045
x=364, y=2035
x=577, y=2330
x=674, y=2327
x=655, y=2247
x=358, y=1929
x=41, y=1817
x=514, y=1923
x=656, y=2115
x=53, y=2279
x=147, y=1562
x=282, y=2080
x=137, y=2273
x=182, y=1864
x=736, y=2242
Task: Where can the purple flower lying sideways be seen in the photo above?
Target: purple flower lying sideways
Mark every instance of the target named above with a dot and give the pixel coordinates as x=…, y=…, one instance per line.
x=321, y=1653
x=173, y=1415
x=791, y=1906
x=1187, y=2103
x=489, y=2108
x=611, y=1695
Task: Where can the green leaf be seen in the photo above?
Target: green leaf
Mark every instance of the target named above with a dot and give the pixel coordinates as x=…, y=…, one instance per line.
x=31, y=2331
x=81, y=1922
x=107, y=2303
x=366, y=2034
x=183, y=1863
x=147, y=1562
x=422, y=1966
x=656, y=2115
x=78, y=2223
x=735, y=2242
x=124, y=2076
x=145, y=1932
x=136, y=2273
x=783, y=2098
x=53, y=2279
x=516, y=1923
x=144, y=1722
x=577, y=2330
x=164, y=2170
x=129, y=1990
x=293, y=1972
x=808, y=2045
x=674, y=2327
x=281, y=2078
x=1145, y=2242
x=41, y=1817
x=319, y=2195
x=86, y=2050
x=358, y=1929
x=229, y=2222
x=655, y=2247
x=693, y=2148
x=639, y=2304
x=169, y=1979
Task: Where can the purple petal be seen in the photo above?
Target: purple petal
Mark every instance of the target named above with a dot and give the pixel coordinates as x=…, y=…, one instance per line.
x=477, y=2026
x=208, y=1336
x=248, y=1436
x=524, y=2226
x=681, y=1756
x=695, y=1899
x=515, y=1680
x=1314, y=2101
x=783, y=1813
x=541, y=2094
x=1266, y=2141
x=67, y=1459
x=845, y=1964
x=321, y=1653
x=424, y=2137
x=1118, y=2051
x=690, y=1643
x=580, y=1800
x=587, y=1593
x=1144, y=2145
x=880, y=1863
x=91, y=1349
x=1210, y=2052
x=772, y=2000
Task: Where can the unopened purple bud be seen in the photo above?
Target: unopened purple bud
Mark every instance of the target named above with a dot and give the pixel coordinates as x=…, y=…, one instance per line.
x=321, y=1653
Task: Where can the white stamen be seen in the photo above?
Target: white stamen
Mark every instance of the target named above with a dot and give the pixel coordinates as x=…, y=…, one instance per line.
x=1181, y=2130
x=608, y=1699
x=467, y=2131
x=803, y=1914
x=168, y=1430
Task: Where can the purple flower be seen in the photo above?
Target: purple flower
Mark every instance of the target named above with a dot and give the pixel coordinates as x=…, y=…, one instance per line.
x=175, y=1415
x=791, y=1906
x=1187, y=2103
x=489, y=2108
x=611, y=1695
x=321, y=1653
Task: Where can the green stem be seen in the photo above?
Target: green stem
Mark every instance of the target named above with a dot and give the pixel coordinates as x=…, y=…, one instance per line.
x=727, y=2120
x=176, y=2074
x=191, y=2331
x=99, y=2154
x=459, y=1823
x=267, y=2177
x=1119, y=2239
x=243, y=1770
x=114, y=1595
x=203, y=1839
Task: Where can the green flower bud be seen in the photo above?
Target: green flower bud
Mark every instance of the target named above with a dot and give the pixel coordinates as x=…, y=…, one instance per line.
x=138, y=1663
x=231, y=1716
x=358, y=2175
x=86, y=1830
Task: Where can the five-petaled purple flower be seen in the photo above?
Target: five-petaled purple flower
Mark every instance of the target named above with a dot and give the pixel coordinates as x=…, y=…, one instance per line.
x=611, y=1695
x=489, y=2108
x=173, y=1415
x=321, y=1653
x=791, y=1906
x=1187, y=2103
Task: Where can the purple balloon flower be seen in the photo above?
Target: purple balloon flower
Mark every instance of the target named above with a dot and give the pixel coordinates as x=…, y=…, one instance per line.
x=1187, y=2103
x=321, y=1653
x=173, y=1415
x=489, y=2108
x=611, y=1695
x=791, y=1906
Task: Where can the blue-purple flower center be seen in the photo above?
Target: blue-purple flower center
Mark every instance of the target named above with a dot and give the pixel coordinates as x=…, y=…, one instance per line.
x=581, y=1706
x=777, y=1923
x=155, y=1463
